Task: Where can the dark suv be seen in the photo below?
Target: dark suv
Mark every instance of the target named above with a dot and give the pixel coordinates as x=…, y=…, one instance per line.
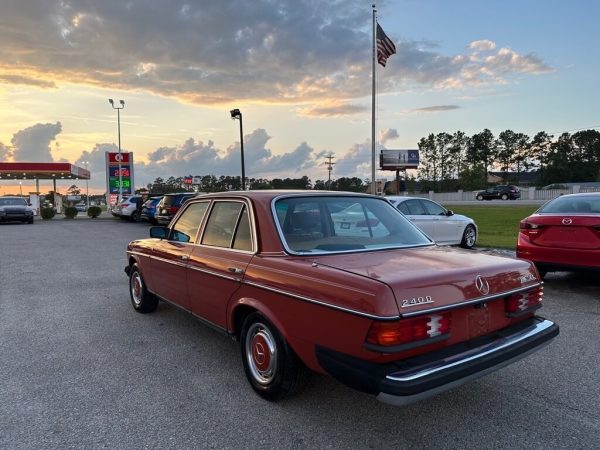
x=504, y=192
x=169, y=205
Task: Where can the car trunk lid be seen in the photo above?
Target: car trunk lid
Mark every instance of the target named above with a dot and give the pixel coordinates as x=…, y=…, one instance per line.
x=563, y=231
x=460, y=276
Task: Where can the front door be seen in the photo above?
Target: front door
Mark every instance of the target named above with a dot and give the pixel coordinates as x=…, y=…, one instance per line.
x=171, y=255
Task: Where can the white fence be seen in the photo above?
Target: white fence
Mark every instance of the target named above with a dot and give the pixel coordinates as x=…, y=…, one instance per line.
x=531, y=193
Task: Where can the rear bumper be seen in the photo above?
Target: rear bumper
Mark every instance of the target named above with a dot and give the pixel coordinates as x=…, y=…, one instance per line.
x=553, y=258
x=413, y=379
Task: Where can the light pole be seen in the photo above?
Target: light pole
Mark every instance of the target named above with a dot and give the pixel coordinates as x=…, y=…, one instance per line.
x=21, y=188
x=87, y=190
x=120, y=158
x=237, y=114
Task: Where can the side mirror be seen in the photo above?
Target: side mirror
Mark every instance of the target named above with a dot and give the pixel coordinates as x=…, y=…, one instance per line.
x=159, y=232
x=449, y=213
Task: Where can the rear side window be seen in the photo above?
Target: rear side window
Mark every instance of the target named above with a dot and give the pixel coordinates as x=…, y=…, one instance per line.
x=186, y=227
x=228, y=226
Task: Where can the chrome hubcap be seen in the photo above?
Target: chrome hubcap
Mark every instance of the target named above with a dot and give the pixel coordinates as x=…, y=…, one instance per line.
x=470, y=237
x=261, y=353
x=136, y=288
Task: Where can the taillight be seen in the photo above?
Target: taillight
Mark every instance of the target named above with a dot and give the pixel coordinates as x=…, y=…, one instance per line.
x=406, y=331
x=530, y=229
x=172, y=209
x=523, y=303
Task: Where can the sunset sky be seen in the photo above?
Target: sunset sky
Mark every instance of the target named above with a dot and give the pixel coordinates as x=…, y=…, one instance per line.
x=300, y=72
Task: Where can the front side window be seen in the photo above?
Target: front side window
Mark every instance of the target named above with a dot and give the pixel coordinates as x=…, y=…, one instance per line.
x=186, y=227
x=326, y=224
x=433, y=208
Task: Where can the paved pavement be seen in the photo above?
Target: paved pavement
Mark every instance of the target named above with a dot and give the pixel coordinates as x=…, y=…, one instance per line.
x=80, y=369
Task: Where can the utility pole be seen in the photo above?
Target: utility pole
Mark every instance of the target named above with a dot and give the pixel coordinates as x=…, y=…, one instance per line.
x=329, y=163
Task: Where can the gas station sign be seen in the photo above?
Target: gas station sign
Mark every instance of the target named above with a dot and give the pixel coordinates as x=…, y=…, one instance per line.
x=114, y=162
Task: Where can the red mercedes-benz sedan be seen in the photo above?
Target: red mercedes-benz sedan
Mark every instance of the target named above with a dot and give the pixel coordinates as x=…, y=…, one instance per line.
x=564, y=234
x=341, y=284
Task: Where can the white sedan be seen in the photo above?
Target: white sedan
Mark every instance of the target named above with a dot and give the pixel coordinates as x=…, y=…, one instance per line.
x=439, y=223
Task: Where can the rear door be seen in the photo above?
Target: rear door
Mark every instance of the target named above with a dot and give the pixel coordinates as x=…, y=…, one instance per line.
x=217, y=265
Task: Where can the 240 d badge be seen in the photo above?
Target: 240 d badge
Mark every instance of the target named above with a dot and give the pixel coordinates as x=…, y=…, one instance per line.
x=416, y=301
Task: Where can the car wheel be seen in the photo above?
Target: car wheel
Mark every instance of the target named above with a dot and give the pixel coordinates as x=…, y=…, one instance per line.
x=504, y=197
x=135, y=216
x=469, y=237
x=479, y=197
x=30, y=221
x=271, y=366
x=142, y=300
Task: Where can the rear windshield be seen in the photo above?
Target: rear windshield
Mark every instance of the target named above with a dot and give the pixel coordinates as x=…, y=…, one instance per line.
x=326, y=224
x=566, y=204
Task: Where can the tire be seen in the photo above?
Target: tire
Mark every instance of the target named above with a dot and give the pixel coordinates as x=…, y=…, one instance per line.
x=142, y=300
x=479, y=197
x=504, y=197
x=469, y=237
x=135, y=216
x=271, y=366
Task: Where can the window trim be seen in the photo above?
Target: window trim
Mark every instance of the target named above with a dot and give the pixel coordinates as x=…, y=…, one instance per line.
x=289, y=251
x=251, y=223
x=180, y=213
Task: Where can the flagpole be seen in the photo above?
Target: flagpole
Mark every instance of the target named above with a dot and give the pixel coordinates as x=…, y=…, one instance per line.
x=373, y=184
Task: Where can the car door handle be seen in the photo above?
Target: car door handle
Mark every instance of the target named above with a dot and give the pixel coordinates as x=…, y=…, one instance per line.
x=184, y=257
x=236, y=270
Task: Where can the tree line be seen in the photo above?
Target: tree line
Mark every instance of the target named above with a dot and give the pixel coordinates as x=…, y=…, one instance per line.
x=457, y=161
x=212, y=183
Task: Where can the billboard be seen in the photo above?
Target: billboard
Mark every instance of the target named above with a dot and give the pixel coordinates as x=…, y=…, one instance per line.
x=398, y=159
x=124, y=160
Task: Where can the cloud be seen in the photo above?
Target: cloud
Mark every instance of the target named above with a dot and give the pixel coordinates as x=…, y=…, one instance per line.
x=313, y=52
x=4, y=152
x=482, y=45
x=388, y=134
x=434, y=109
x=332, y=109
x=33, y=143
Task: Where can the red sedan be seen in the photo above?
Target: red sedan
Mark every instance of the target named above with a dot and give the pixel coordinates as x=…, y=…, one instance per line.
x=564, y=234
x=341, y=284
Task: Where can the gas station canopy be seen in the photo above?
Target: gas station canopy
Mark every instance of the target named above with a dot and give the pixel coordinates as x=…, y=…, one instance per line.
x=42, y=171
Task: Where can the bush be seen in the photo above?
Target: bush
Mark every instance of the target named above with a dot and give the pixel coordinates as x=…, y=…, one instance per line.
x=47, y=213
x=94, y=211
x=70, y=212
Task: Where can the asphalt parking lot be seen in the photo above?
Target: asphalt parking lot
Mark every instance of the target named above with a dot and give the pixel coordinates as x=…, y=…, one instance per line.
x=80, y=369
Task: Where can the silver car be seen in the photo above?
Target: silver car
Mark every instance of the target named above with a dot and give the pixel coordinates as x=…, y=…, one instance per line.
x=439, y=223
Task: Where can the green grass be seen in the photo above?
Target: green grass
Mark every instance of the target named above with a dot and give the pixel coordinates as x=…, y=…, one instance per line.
x=498, y=225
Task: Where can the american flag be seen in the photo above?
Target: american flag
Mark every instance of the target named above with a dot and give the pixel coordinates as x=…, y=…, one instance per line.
x=385, y=46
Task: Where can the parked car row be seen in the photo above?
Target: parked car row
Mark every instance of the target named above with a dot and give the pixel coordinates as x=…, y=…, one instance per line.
x=156, y=209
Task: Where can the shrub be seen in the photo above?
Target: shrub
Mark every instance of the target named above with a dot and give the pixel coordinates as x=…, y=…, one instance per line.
x=47, y=213
x=70, y=212
x=94, y=211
